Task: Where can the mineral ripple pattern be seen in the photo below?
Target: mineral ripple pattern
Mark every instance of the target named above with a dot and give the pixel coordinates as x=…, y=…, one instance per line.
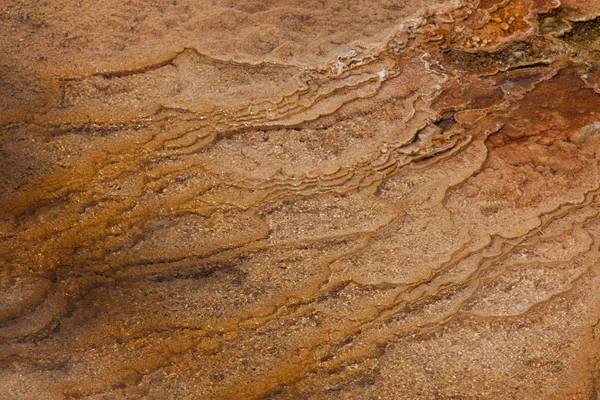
x=316, y=199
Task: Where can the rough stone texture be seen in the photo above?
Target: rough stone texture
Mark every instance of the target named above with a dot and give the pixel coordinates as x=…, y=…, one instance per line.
x=300, y=199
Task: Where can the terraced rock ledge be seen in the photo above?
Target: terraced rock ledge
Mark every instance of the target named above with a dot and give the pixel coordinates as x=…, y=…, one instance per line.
x=260, y=199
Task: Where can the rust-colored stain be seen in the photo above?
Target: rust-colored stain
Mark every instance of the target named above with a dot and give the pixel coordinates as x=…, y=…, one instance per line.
x=255, y=199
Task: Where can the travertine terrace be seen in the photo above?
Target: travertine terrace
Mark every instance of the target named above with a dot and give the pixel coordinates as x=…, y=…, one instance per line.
x=282, y=199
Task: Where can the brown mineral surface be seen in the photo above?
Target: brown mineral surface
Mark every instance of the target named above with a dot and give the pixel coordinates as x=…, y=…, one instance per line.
x=315, y=199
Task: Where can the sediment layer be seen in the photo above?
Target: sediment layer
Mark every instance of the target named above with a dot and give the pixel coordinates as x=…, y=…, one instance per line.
x=300, y=200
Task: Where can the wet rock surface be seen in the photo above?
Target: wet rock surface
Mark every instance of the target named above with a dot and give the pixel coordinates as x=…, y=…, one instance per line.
x=300, y=200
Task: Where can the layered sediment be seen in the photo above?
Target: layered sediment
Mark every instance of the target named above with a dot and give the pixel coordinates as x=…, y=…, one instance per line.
x=300, y=200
